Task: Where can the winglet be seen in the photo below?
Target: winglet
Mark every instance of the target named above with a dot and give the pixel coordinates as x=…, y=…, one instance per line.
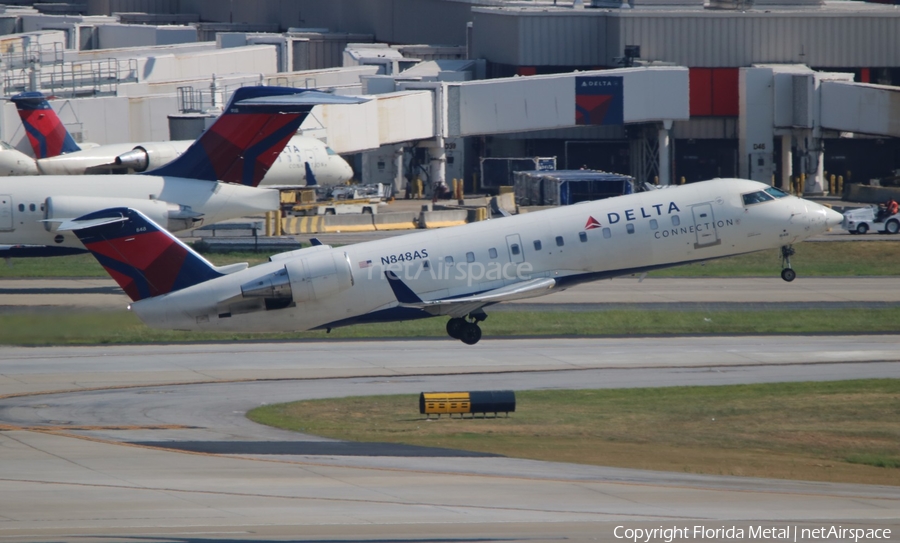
x=143, y=258
x=404, y=294
x=310, y=176
x=247, y=138
x=46, y=132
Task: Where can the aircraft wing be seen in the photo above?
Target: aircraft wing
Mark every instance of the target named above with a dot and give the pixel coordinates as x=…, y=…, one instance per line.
x=460, y=307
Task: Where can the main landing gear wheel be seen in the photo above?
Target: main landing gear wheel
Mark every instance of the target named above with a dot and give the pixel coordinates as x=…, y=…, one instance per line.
x=787, y=273
x=455, y=326
x=466, y=328
x=470, y=333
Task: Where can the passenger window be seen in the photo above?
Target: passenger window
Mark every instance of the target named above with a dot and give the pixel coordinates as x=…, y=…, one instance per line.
x=560, y=241
x=21, y=207
x=537, y=245
x=514, y=248
x=582, y=236
x=470, y=257
x=426, y=265
x=653, y=224
x=607, y=233
x=492, y=252
x=676, y=220
x=629, y=228
x=31, y=207
x=448, y=260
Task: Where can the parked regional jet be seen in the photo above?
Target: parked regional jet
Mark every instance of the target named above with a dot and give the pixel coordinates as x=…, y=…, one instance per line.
x=304, y=160
x=242, y=144
x=455, y=271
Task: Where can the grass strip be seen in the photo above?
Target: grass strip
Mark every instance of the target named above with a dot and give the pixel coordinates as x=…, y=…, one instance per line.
x=120, y=327
x=819, y=259
x=843, y=431
x=815, y=259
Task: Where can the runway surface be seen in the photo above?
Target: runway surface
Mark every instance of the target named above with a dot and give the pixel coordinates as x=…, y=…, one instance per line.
x=70, y=468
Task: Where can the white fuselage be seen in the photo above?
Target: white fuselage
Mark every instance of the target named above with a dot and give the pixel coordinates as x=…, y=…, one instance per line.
x=629, y=234
x=288, y=169
x=27, y=202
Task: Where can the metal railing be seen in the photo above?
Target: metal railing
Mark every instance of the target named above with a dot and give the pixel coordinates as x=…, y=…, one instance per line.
x=43, y=67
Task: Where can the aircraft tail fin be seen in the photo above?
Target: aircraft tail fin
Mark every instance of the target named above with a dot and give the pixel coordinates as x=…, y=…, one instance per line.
x=247, y=138
x=46, y=132
x=142, y=257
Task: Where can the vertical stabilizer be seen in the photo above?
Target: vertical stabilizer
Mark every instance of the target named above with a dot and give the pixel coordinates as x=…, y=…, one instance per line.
x=247, y=138
x=143, y=258
x=46, y=132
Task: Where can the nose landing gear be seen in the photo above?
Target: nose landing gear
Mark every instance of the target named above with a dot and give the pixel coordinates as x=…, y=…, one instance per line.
x=787, y=273
x=464, y=330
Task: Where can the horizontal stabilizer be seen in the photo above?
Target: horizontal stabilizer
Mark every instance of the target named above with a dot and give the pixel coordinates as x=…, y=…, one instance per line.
x=79, y=224
x=460, y=307
x=30, y=251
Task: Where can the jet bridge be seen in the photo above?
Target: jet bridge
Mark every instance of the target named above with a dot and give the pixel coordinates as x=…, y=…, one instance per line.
x=436, y=110
x=799, y=106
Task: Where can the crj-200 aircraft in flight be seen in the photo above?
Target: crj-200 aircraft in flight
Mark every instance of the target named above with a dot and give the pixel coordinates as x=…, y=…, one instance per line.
x=242, y=144
x=456, y=271
x=304, y=160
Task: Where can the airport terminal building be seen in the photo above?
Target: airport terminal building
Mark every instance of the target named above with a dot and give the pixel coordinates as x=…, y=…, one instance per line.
x=769, y=90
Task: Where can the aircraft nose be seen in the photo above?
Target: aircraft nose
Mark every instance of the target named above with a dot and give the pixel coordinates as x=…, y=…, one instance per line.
x=348, y=171
x=833, y=218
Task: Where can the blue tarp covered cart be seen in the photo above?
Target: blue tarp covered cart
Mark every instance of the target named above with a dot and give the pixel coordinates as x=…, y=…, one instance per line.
x=566, y=187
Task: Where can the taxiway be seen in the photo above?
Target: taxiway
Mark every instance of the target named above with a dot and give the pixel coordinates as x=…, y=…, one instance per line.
x=76, y=463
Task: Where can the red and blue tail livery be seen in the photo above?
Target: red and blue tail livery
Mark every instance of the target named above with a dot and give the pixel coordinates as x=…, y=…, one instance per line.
x=46, y=132
x=247, y=138
x=143, y=258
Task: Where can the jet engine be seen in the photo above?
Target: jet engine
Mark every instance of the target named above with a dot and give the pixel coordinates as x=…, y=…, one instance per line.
x=148, y=156
x=172, y=217
x=302, y=280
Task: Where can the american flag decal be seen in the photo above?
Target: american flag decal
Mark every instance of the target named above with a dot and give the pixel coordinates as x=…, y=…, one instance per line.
x=365, y=263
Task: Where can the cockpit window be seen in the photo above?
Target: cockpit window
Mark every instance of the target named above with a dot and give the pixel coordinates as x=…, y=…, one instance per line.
x=329, y=150
x=5, y=146
x=778, y=193
x=756, y=198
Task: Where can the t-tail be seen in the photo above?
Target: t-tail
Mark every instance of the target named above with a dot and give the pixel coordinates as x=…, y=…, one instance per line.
x=247, y=138
x=143, y=258
x=46, y=132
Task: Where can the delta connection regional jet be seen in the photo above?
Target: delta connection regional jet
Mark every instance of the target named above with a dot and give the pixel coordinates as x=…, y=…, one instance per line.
x=456, y=272
x=241, y=146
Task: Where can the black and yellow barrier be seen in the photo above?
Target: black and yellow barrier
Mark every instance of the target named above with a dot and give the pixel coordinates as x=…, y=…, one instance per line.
x=487, y=401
